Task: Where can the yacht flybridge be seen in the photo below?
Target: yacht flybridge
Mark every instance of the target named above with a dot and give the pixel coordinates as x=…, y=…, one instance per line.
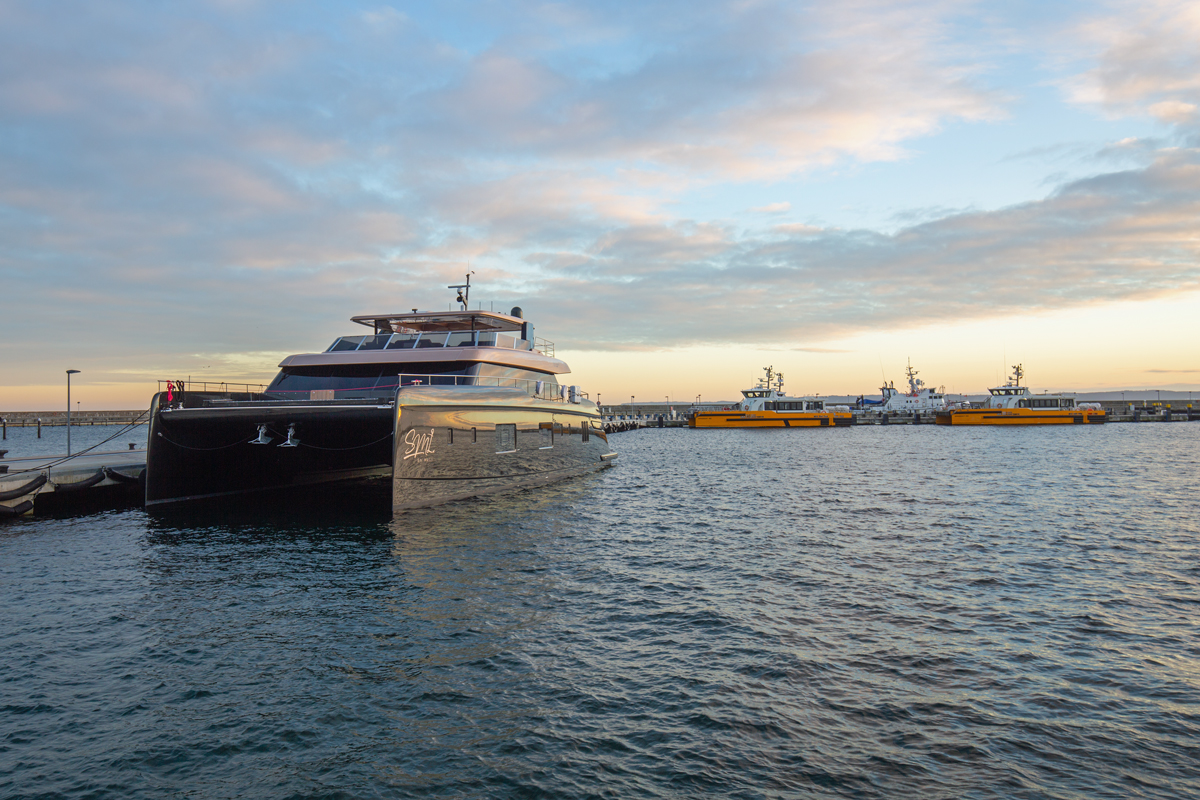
x=448, y=404
x=767, y=406
x=1014, y=404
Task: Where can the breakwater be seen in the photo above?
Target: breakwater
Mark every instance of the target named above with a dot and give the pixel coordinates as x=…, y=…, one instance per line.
x=30, y=419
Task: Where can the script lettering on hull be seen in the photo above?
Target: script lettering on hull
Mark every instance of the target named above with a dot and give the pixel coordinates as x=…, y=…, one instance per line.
x=418, y=444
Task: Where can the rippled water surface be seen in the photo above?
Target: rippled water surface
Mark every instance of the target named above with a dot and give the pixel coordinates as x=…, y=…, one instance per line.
x=872, y=612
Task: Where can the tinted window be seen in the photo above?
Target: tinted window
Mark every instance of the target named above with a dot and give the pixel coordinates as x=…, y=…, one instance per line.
x=374, y=342
x=346, y=343
x=402, y=341
x=432, y=340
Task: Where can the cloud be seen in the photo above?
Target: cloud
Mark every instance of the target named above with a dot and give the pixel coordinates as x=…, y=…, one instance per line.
x=1148, y=61
x=225, y=178
x=1114, y=236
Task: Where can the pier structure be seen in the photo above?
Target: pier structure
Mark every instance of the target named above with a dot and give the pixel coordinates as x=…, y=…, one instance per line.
x=49, y=419
x=31, y=482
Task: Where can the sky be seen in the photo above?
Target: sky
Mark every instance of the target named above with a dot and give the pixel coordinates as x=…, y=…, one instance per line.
x=676, y=193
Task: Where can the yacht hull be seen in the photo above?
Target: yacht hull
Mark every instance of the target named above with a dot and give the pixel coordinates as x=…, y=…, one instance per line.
x=1021, y=416
x=770, y=419
x=205, y=450
x=460, y=442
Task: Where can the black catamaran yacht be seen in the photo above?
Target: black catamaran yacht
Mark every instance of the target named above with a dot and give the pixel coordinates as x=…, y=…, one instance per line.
x=448, y=404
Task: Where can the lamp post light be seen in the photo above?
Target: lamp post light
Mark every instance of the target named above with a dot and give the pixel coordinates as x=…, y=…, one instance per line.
x=70, y=372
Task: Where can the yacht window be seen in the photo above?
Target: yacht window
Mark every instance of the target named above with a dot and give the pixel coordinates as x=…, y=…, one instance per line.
x=461, y=339
x=504, y=340
x=377, y=342
x=506, y=438
x=486, y=339
x=497, y=375
x=402, y=341
x=346, y=343
x=348, y=381
x=432, y=340
x=545, y=435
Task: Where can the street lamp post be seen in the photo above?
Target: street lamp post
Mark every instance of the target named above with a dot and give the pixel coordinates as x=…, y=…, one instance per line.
x=70, y=372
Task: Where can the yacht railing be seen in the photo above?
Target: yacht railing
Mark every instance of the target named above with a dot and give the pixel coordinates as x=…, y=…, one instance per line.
x=381, y=388
x=438, y=339
x=211, y=386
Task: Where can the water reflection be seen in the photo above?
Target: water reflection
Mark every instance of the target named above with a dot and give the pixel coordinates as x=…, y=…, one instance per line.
x=876, y=613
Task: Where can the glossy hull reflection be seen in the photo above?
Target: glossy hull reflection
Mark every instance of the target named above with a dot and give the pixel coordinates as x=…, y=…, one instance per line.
x=454, y=443
x=204, y=450
x=1021, y=416
x=770, y=419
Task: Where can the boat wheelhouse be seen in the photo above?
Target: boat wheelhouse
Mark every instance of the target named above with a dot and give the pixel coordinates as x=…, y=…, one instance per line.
x=919, y=399
x=1014, y=404
x=446, y=404
x=768, y=406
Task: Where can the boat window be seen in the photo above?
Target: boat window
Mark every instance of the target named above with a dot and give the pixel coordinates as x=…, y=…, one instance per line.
x=486, y=339
x=377, y=342
x=349, y=381
x=461, y=339
x=345, y=343
x=432, y=340
x=546, y=435
x=402, y=341
x=506, y=438
x=497, y=375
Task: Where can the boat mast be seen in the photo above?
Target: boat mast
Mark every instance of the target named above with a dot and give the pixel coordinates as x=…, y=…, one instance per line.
x=464, y=292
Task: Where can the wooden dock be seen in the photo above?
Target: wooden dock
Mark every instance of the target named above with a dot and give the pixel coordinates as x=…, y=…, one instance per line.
x=33, y=482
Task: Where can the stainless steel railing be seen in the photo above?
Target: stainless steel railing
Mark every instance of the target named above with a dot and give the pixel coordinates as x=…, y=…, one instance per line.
x=211, y=386
x=384, y=387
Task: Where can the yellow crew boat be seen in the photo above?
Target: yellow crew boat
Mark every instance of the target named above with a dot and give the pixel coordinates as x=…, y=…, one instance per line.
x=1014, y=404
x=766, y=406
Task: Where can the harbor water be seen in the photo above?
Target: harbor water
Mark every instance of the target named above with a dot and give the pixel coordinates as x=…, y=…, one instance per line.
x=868, y=612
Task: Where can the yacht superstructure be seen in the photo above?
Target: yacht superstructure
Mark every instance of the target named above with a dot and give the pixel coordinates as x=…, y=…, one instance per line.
x=448, y=404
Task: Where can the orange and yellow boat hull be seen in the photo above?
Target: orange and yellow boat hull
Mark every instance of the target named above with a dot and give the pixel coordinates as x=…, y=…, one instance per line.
x=770, y=419
x=1021, y=416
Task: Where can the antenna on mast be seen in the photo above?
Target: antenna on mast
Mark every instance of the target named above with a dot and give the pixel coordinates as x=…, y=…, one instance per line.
x=464, y=291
